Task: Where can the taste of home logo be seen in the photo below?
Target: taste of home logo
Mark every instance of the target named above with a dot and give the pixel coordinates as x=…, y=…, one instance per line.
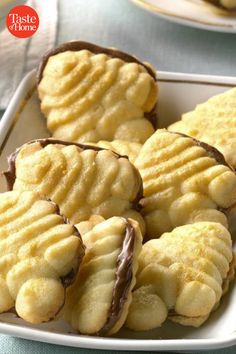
x=22, y=21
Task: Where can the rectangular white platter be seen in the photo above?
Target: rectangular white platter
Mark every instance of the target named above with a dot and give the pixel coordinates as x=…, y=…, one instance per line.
x=22, y=122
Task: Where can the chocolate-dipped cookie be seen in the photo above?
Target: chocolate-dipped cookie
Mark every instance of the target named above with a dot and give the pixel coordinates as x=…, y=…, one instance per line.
x=213, y=122
x=83, y=180
x=181, y=276
x=40, y=253
x=91, y=93
x=98, y=302
x=184, y=181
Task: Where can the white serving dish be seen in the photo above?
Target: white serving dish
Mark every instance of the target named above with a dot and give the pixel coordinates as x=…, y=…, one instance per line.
x=192, y=13
x=23, y=122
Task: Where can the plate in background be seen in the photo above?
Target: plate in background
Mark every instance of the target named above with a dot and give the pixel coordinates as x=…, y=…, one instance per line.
x=193, y=13
x=22, y=122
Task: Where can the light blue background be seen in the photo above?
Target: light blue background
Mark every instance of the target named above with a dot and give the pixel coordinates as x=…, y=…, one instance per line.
x=167, y=46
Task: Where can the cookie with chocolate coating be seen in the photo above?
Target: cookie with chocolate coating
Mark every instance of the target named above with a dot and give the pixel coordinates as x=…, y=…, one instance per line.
x=213, y=122
x=98, y=302
x=181, y=276
x=39, y=256
x=184, y=181
x=90, y=93
x=83, y=180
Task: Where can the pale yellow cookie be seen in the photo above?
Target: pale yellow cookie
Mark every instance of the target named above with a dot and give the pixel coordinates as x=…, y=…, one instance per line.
x=98, y=302
x=181, y=276
x=90, y=93
x=213, y=122
x=184, y=181
x=39, y=256
x=82, y=180
x=122, y=147
x=85, y=226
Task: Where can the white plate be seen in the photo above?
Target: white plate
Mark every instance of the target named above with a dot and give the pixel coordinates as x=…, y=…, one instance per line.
x=22, y=122
x=193, y=13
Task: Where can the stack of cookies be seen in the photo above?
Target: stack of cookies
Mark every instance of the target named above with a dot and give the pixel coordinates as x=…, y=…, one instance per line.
x=112, y=222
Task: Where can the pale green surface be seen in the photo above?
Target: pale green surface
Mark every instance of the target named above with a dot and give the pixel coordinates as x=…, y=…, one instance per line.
x=10, y=345
x=168, y=46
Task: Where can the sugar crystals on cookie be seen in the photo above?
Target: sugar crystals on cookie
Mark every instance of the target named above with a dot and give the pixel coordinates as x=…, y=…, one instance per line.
x=90, y=93
x=83, y=180
x=184, y=181
x=182, y=276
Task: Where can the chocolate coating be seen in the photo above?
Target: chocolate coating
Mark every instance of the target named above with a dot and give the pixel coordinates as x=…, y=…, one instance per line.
x=211, y=151
x=75, y=46
x=124, y=275
x=10, y=174
x=69, y=278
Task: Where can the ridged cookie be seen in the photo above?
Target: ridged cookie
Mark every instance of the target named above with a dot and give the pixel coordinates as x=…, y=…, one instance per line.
x=39, y=256
x=83, y=180
x=98, y=302
x=90, y=93
x=184, y=181
x=121, y=147
x=213, y=122
x=181, y=276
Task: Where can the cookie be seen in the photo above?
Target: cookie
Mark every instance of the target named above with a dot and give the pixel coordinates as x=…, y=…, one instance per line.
x=121, y=147
x=82, y=180
x=213, y=122
x=39, y=256
x=184, y=181
x=97, y=303
x=90, y=93
x=181, y=276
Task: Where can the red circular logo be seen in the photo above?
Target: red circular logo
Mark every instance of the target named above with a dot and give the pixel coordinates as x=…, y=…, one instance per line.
x=22, y=21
